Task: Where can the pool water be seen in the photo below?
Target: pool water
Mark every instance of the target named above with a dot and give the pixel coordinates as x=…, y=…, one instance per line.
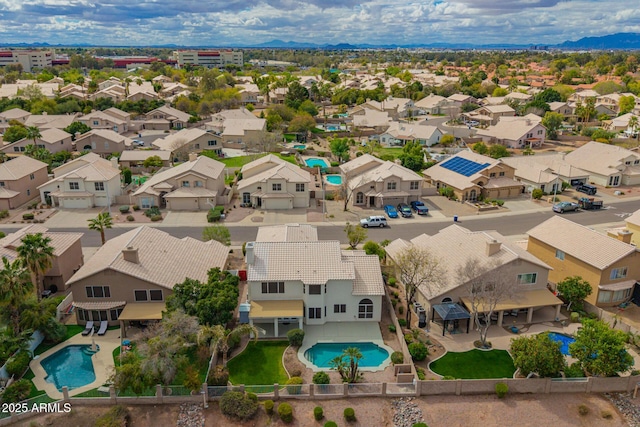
x=299, y=147
x=315, y=162
x=70, y=366
x=334, y=179
x=564, y=341
x=322, y=353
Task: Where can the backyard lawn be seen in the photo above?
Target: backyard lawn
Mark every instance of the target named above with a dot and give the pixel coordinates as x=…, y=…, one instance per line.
x=71, y=331
x=475, y=364
x=259, y=364
x=238, y=162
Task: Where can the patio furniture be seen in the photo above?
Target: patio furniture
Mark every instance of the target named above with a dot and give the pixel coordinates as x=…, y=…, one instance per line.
x=88, y=328
x=103, y=327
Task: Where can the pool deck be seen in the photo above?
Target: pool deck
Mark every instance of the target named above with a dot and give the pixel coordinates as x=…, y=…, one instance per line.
x=337, y=332
x=102, y=362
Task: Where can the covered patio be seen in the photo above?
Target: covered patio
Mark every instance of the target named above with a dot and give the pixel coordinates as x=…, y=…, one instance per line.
x=276, y=318
x=451, y=314
x=141, y=314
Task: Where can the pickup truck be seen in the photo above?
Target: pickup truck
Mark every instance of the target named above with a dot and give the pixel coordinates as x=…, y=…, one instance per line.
x=563, y=207
x=589, y=203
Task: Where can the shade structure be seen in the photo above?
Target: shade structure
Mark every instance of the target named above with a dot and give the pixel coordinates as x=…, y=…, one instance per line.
x=450, y=312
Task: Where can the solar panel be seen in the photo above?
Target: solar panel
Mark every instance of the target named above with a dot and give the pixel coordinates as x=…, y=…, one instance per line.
x=463, y=166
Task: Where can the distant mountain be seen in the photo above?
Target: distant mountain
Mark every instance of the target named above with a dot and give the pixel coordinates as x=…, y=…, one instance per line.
x=611, y=41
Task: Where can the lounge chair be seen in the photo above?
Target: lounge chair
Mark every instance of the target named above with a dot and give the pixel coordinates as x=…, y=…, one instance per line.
x=88, y=328
x=103, y=328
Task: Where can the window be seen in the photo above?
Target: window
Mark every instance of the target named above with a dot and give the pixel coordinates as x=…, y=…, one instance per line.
x=414, y=185
x=299, y=188
x=74, y=186
x=618, y=273
x=315, y=313
x=185, y=183
x=365, y=309
x=501, y=174
x=559, y=254
x=1, y=183
x=155, y=294
x=359, y=198
x=339, y=308
x=196, y=146
x=106, y=145
x=212, y=143
x=527, y=279
x=140, y=295
x=276, y=187
x=315, y=290
x=391, y=185
x=16, y=149
x=246, y=198
x=98, y=291
x=636, y=162
x=115, y=313
x=99, y=186
x=273, y=287
x=81, y=314
x=32, y=176
x=96, y=123
x=28, y=192
x=197, y=184
x=492, y=175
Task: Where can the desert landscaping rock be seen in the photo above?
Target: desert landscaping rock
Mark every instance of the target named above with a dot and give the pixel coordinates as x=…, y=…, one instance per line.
x=190, y=415
x=629, y=410
x=406, y=412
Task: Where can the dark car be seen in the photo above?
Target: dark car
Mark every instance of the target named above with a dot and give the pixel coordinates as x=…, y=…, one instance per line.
x=419, y=207
x=404, y=210
x=586, y=188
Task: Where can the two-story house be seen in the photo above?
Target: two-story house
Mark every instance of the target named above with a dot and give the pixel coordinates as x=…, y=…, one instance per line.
x=166, y=118
x=515, y=132
x=103, y=120
x=16, y=114
x=490, y=114
x=372, y=182
x=238, y=128
x=610, y=265
x=272, y=183
x=19, y=181
x=186, y=141
x=103, y=142
x=194, y=185
x=53, y=140
x=607, y=165
x=82, y=183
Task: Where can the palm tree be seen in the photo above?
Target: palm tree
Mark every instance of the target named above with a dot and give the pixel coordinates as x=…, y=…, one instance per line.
x=218, y=337
x=354, y=355
x=102, y=221
x=633, y=125
x=36, y=254
x=33, y=133
x=15, y=286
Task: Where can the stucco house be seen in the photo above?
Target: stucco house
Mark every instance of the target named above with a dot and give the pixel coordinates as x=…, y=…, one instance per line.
x=53, y=139
x=373, y=182
x=19, y=181
x=296, y=283
x=515, y=132
x=398, y=134
x=186, y=141
x=238, y=128
x=607, y=165
x=103, y=120
x=272, y=183
x=50, y=121
x=103, y=142
x=82, y=183
x=545, y=171
x=130, y=277
x=454, y=247
x=194, y=185
x=165, y=118
x=633, y=225
x=134, y=160
x=610, y=265
x=17, y=114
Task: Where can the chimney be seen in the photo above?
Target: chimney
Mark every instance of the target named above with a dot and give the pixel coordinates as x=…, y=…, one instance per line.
x=249, y=252
x=114, y=162
x=624, y=236
x=130, y=254
x=193, y=157
x=493, y=247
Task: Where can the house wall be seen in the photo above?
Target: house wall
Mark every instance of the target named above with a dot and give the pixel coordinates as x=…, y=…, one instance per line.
x=64, y=266
x=104, y=123
x=99, y=197
x=382, y=187
x=27, y=187
x=99, y=145
x=20, y=146
x=635, y=237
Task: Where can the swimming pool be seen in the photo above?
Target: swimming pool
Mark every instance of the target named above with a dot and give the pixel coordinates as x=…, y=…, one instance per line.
x=314, y=162
x=334, y=179
x=70, y=366
x=322, y=353
x=299, y=147
x=564, y=341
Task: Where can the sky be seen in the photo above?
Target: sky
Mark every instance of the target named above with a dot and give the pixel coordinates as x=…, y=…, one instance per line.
x=219, y=23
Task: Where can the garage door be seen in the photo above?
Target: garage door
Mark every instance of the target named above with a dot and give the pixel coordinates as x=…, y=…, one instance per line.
x=393, y=200
x=630, y=179
x=276, y=203
x=75, y=203
x=182, y=204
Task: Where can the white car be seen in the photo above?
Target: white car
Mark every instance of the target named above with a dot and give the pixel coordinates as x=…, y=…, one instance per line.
x=373, y=221
x=138, y=143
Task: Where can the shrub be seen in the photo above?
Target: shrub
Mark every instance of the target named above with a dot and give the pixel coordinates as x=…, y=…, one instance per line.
x=117, y=416
x=126, y=175
x=574, y=371
x=607, y=415
x=393, y=282
x=583, y=410
x=397, y=357
x=4, y=214
x=402, y=322
x=154, y=210
x=295, y=336
x=192, y=378
x=285, y=411
x=130, y=218
x=408, y=338
x=335, y=164
x=27, y=216
x=218, y=376
x=17, y=391
x=392, y=328
x=537, y=193
x=214, y=215
x=318, y=413
x=418, y=351
x=448, y=378
x=268, y=407
x=123, y=209
x=421, y=374
x=236, y=404
x=136, y=207
x=54, y=331
x=321, y=378
x=419, y=425
x=294, y=385
x=156, y=218
x=244, y=249
x=575, y=317
x=349, y=414
x=252, y=396
x=331, y=423
x=401, y=310
x=18, y=364
x=501, y=390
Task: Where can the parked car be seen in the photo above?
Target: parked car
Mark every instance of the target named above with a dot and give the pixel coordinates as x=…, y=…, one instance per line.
x=405, y=210
x=373, y=221
x=590, y=203
x=586, y=188
x=390, y=211
x=138, y=143
x=419, y=207
x=563, y=207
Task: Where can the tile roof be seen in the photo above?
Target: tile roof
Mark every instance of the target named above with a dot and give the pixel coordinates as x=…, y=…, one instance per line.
x=603, y=159
x=511, y=128
x=458, y=180
x=164, y=260
x=14, y=113
x=46, y=121
x=7, y=194
x=107, y=134
x=581, y=242
x=287, y=233
x=60, y=241
x=287, y=171
x=175, y=140
x=53, y=135
x=19, y=167
x=141, y=155
x=269, y=158
x=359, y=162
x=94, y=171
x=368, y=280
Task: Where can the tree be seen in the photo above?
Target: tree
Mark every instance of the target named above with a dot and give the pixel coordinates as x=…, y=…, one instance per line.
x=296, y=94
x=355, y=233
x=498, y=92
x=497, y=151
x=574, y=289
x=152, y=162
x=601, y=350
x=302, y=123
x=77, y=127
x=15, y=286
x=38, y=153
x=340, y=148
x=219, y=233
x=447, y=140
x=373, y=248
x=100, y=223
x=549, y=95
x=308, y=107
x=218, y=338
x=418, y=267
x=33, y=133
x=587, y=110
x=348, y=369
x=633, y=125
x=480, y=148
x=552, y=121
x=412, y=156
x=537, y=354
x=36, y=254
x=15, y=133
x=626, y=104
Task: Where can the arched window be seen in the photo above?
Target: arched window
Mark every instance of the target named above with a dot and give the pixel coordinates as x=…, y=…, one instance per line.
x=360, y=198
x=473, y=195
x=365, y=309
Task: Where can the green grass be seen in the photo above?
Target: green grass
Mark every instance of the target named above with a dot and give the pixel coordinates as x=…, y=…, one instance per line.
x=289, y=137
x=34, y=391
x=475, y=364
x=395, y=152
x=71, y=331
x=259, y=364
x=291, y=159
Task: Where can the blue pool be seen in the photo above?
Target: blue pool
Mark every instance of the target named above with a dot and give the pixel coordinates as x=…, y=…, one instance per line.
x=334, y=179
x=70, y=366
x=315, y=162
x=322, y=353
x=299, y=147
x=564, y=341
